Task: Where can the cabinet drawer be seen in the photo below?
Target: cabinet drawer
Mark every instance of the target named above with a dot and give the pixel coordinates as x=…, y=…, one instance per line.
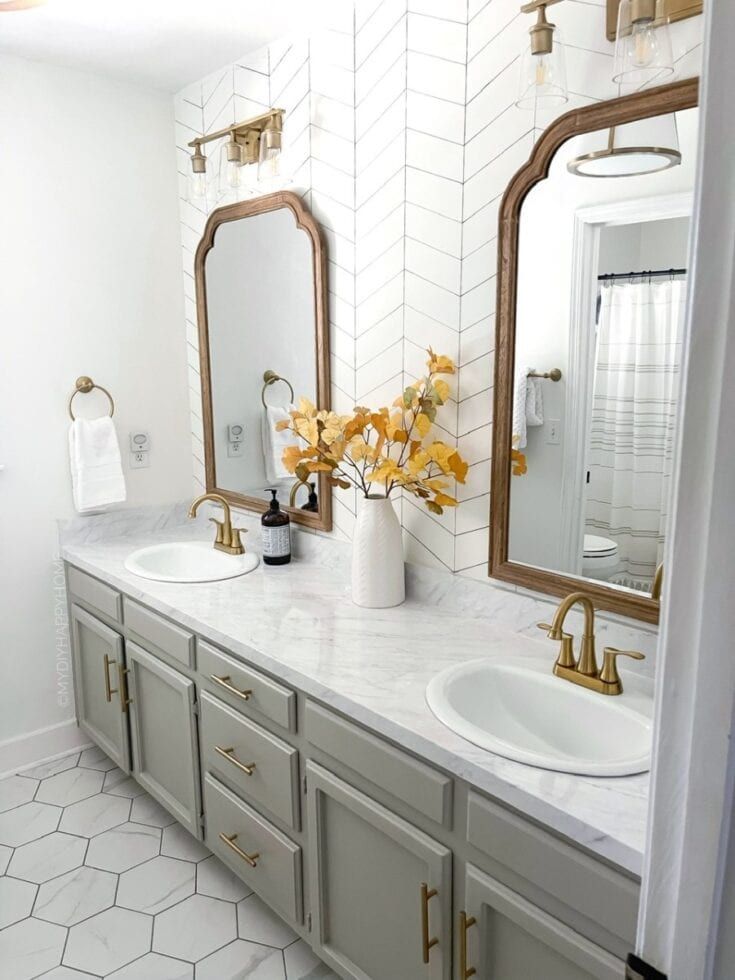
x=163, y=635
x=246, y=688
x=589, y=887
x=262, y=767
x=95, y=593
x=276, y=874
x=416, y=784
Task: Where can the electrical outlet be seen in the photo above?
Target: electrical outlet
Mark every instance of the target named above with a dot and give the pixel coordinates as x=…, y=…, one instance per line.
x=235, y=449
x=553, y=432
x=138, y=460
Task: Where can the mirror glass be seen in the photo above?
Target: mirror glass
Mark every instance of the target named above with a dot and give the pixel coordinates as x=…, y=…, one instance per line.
x=263, y=346
x=602, y=280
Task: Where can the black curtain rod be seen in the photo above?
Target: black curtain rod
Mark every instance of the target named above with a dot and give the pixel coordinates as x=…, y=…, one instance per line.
x=642, y=275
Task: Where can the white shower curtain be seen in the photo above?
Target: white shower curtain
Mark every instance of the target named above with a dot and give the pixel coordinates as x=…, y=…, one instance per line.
x=636, y=389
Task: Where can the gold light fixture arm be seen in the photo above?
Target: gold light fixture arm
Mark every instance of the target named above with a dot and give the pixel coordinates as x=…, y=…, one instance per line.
x=246, y=134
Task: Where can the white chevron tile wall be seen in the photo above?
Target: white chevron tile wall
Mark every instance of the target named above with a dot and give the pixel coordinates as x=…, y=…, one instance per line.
x=402, y=133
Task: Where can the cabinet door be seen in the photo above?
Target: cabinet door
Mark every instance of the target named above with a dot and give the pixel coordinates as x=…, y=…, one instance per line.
x=380, y=888
x=505, y=937
x=99, y=666
x=163, y=728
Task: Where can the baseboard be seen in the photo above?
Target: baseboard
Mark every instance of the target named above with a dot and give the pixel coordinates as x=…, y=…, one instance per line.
x=40, y=746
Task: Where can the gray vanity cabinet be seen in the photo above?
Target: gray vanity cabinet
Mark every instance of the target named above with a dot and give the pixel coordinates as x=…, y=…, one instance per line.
x=164, y=735
x=380, y=888
x=504, y=937
x=99, y=665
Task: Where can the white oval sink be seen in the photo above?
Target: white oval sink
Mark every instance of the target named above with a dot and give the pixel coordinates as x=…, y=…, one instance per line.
x=520, y=710
x=188, y=561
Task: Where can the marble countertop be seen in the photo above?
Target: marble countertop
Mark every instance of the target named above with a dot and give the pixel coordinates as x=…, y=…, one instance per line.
x=297, y=622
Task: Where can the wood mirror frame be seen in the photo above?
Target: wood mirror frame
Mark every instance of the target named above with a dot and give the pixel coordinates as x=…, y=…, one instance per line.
x=307, y=223
x=653, y=102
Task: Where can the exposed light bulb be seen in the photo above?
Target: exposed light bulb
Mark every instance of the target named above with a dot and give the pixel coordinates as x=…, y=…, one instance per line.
x=542, y=70
x=234, y=174
x=644, y=46
x=198, y=185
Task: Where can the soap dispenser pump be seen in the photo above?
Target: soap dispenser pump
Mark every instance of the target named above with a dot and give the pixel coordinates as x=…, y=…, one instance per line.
x=276, y=528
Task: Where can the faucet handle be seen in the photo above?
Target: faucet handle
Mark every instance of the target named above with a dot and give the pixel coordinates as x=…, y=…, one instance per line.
x=609, y=673
x=566, y=650
x=220, y=530
x=236, y=540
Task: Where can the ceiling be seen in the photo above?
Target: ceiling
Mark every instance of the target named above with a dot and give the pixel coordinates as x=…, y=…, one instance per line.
x=161, y=44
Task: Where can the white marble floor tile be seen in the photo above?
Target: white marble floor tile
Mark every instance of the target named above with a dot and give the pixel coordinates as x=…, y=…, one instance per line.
x=51, y=768
x=257, y=923
x=195, y=928
x=125, y=787
x=29, y=948
x=303, y=964
x=147, y=810
x=113, y=777
x=241, y=960
x=156, y=885
x=123, y=847
x=5, y=854
x=16, y=900
x=69, y=786
x=75, y=896
x=108, y=941
x=28, y=822
x=48, y=857
x=64, y=973
x=178, y=843
x=95, y=815
x=16, y=790
x=153, y=966
x=95, y=758
x=217, y=881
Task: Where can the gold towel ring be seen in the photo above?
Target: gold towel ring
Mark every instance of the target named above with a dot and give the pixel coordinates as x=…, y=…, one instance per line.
x=269, y=378
x=83, y=386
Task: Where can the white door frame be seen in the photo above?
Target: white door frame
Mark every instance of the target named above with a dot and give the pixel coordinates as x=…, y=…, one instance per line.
x=588, y=225
x=687, y=911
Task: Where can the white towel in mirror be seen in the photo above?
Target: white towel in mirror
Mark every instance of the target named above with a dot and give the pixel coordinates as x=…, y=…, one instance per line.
x=528, y=406
x=96, y=468
x=275, y=442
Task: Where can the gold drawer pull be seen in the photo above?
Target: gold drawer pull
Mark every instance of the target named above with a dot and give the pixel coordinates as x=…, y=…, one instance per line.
x=465, y=922
x=109, y=691
x=426, y=943
x=229, y=754
x=229, y=839
x=228, y=686
x=122, y=682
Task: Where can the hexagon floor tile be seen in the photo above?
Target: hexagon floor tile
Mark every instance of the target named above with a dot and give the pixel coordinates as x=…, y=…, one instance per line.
x=75, y=896
x=195, y=928
x=156, y=885
x=48, y=857
x=146, y=902
x=69, y=786
x=108, y=941
x=16, y=790
x=124, y=847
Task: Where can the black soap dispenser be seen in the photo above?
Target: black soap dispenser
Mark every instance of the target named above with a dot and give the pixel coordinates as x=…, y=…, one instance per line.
x=312, y=504
x=276, y=529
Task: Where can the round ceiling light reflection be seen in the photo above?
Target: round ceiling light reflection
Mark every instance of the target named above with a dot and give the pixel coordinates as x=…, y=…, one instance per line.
x=626, y=161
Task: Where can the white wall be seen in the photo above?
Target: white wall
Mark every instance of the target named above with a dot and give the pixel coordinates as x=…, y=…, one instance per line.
x=91, y=284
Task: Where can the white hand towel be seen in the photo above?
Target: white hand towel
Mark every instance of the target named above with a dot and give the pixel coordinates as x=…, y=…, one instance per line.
x=96, y=469
x=275, y=442
x=528, y=406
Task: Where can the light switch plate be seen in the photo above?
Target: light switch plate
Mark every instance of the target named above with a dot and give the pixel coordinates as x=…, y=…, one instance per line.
x=235, y=432
x=139, y=442
x=553, y=432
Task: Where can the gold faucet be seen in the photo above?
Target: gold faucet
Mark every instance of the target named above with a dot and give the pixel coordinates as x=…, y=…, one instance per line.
x=658, y=583
x=228, y=537
x=585, y=671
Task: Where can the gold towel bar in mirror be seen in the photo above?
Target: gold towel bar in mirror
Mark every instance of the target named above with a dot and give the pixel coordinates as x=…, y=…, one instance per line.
x=270, y=378
x=553, y=375
x=83, y=386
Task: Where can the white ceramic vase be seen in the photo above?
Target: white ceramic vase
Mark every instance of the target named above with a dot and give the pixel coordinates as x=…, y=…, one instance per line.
x=378, y=576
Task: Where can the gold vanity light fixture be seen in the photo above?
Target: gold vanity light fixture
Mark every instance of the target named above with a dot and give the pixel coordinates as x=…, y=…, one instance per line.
x=643, y=53
x=256, y=142
x=645, y=146
x=672, y=10
x=543, y=75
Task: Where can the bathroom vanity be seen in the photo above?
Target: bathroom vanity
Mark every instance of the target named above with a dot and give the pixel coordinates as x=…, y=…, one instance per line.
x=288, y=729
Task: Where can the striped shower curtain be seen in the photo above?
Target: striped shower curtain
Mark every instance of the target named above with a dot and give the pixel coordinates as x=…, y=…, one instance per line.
x=636, y=388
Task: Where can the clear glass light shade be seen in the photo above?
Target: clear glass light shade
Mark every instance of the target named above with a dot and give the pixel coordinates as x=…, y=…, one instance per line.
x=235, y=179
x=543, y=78
x=645, y=146
x=269, y=162
x=643, y=53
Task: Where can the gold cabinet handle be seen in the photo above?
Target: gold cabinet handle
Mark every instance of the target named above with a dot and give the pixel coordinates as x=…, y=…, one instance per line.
x=228, y=686
x=229, y=754
x=465, y=922
x=109, y=691
x=123, y=686
x=229, y=839
x=426, y=942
